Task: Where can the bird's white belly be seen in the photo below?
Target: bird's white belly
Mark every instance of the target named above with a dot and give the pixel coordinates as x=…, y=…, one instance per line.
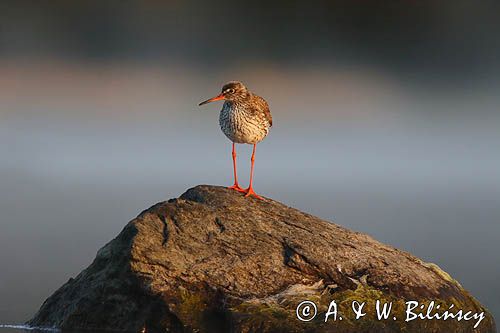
x=240, y=127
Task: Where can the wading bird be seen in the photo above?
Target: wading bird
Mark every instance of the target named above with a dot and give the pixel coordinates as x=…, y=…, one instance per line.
x=244, y=118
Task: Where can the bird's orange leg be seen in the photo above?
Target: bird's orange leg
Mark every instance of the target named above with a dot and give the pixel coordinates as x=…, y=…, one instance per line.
x=236, y=186
x=249, y=191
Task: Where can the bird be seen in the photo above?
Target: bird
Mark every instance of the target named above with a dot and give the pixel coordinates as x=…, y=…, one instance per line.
x=245, y=118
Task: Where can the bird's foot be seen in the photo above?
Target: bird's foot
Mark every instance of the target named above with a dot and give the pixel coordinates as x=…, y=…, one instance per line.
x=237, y=187
x=250, y=192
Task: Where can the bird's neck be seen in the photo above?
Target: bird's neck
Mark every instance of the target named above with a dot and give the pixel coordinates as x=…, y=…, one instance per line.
x=240, y=101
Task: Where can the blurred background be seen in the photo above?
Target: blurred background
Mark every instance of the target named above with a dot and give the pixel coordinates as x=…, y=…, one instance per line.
x=386, y=121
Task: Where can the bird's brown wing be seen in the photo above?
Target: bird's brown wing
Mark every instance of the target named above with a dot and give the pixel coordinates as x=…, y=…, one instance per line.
x=261, y=106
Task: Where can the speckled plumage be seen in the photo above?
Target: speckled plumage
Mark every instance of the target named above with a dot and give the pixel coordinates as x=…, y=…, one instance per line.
x=245, y=123
x=245, y=118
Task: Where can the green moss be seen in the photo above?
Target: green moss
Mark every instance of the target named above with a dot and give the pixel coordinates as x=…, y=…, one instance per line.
x=280, y=316
x=253, y=316
x=270, y=316
x=191, y=308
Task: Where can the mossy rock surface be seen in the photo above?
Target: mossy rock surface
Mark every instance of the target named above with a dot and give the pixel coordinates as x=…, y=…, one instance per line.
x=214, y=261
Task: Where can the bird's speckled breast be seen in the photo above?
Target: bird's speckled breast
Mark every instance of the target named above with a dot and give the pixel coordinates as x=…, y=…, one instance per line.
x=242, y=126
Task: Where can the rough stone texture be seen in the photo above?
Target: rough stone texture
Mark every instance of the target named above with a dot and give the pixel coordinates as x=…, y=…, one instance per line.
x=214, y=261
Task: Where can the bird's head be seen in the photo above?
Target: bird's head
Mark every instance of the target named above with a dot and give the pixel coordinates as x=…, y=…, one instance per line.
x=232, y=91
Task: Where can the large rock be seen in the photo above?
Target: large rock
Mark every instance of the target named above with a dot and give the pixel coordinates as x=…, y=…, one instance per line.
x=214, y=261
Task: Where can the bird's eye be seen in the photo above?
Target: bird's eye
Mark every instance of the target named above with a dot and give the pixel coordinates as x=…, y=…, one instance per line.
x=231, y=91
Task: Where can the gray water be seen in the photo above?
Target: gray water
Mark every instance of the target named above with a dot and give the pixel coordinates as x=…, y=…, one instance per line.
x=73, y=173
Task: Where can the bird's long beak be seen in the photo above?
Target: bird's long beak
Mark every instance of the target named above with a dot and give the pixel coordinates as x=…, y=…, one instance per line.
x=213, y=99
